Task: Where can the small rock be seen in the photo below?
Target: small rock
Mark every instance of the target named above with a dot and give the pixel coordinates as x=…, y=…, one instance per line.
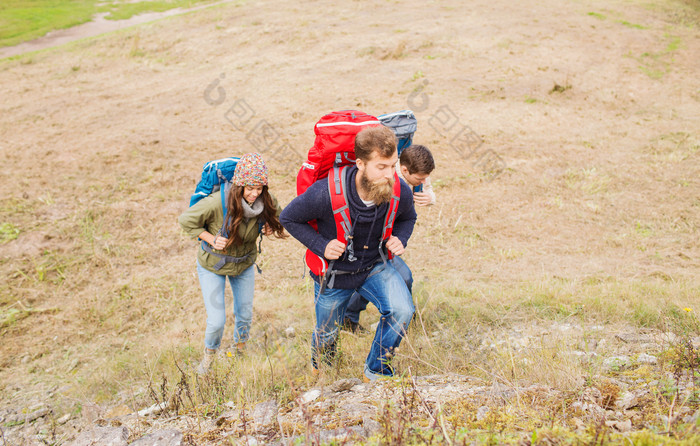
x=616, y=362
x=588, y=407
x=153, y=410
x=250, y=441
x=166, y=437
x=118, y=411
x=289, y=332
x=309, y=396
x=627, y=401
x=265, y=416
x=481, y=413
x=64, y=419
x=102, y=436
x=342, y=435
x=345, y=384
x=621, y=382
x=500, y=391
x=226, y=417
x=643, y=358
x=352, y=412
x=588, y=344
x=28, y=418
x=621, y=426
x=634, y=338
x=372, y=427
x=696, y=342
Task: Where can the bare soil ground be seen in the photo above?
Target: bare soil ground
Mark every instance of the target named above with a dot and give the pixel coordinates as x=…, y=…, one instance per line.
x=591, y=107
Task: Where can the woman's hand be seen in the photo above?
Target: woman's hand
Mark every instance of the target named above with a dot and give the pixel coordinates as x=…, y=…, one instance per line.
x=219, y=243
x=267, y=230
x=216, y=241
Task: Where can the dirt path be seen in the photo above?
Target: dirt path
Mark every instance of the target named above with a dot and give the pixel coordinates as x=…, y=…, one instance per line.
x=98, y=25
x=591, y=107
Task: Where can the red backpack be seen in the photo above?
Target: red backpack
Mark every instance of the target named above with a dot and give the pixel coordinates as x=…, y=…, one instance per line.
x=333, y=151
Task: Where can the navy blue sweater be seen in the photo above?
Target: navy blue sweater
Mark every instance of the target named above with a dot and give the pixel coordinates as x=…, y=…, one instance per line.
x=315, y=203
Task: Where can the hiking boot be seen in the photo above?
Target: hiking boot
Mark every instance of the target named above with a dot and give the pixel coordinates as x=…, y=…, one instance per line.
x=206, y=362
x=236, y=349
x=369, y=377
x=354, y=327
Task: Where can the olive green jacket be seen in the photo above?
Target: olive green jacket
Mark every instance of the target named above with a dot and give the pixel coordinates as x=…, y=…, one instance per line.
x=207, y=215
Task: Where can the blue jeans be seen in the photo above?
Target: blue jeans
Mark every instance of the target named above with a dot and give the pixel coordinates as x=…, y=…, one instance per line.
x=213, y=286
x=358, y=303
x=386, y=289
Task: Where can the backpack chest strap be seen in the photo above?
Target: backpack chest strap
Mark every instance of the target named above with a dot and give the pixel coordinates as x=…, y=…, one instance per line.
x=337, y=188
x=223, y=258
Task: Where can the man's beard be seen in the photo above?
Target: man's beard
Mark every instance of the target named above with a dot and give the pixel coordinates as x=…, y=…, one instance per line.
x=378, y=192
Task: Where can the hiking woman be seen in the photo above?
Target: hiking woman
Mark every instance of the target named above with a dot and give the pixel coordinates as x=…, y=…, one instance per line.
x=228, y=252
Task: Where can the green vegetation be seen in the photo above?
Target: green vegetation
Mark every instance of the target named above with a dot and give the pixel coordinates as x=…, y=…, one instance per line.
x=276, y=367
x=656, y=64
x=633, y=25
x=22, y=20
x=8, y=232
x=120, y=10
x=597, y=15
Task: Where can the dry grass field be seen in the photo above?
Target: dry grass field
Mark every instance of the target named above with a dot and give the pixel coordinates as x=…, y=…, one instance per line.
x=580, y=208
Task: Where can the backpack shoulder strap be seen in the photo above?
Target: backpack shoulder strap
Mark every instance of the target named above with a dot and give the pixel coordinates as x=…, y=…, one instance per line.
x=392, y=211
x=338, y=189
x=225, y=189
x=337, y=186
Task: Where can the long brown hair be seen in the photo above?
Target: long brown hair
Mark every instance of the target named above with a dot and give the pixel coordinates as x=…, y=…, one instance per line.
x=235, y=215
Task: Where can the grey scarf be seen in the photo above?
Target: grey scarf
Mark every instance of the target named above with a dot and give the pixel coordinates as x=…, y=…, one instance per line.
x=254, y=210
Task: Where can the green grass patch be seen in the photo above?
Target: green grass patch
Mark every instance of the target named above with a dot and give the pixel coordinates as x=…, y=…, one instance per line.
x=22, y=20
x=656, y=64
x=597, y=15
x=632, y=25
x=120, y=10
x=8, y=232
x=673, y=44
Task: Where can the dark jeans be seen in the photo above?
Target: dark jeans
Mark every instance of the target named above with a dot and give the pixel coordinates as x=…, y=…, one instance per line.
x=387, y=290
x=359, y=303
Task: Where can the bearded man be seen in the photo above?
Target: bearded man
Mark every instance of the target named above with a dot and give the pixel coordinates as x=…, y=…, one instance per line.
x=364, y=268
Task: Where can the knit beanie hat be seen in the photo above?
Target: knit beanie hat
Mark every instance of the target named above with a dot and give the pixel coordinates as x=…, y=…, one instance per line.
x=250, y=171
